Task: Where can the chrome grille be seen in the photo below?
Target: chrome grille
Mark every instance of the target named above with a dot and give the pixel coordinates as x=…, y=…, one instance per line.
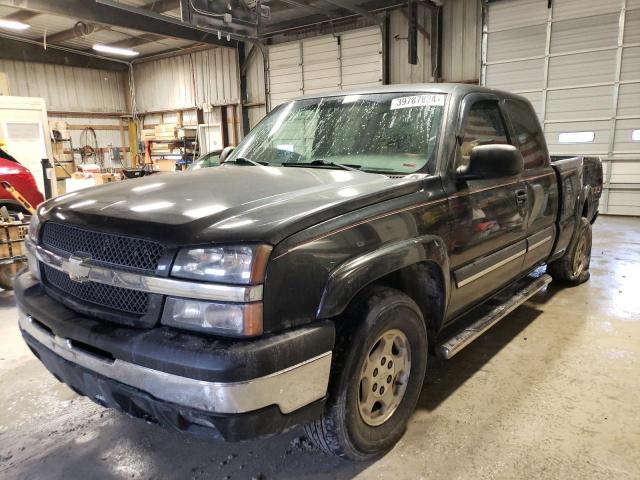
x=106, y=248
x=116, y=298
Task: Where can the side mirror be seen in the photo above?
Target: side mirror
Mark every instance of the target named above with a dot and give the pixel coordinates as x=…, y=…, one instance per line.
x=226, y=151
x=492, y=161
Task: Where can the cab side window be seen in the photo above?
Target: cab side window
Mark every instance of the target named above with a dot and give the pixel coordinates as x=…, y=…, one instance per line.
x=529, y=137
x=483, y=126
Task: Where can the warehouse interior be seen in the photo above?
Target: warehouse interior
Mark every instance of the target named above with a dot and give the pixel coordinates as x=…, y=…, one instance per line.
x=104, y=91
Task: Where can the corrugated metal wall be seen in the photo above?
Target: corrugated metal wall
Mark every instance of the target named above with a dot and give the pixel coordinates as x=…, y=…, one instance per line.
x=461, y=39
x=75, y=90
x=346, y=60
x=187, y=81
x=401, y=71
x=322, y=63
x=579, y=64
x=68, y=89
x=255, y=88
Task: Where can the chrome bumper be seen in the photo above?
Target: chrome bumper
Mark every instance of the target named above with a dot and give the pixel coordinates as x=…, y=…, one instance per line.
x=289, y=389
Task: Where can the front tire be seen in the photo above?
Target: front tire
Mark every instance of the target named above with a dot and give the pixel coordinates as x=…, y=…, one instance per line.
x=377, y=374
x=573, y=267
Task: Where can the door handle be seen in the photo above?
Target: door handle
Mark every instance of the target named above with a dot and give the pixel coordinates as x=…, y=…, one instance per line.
x=521, y=197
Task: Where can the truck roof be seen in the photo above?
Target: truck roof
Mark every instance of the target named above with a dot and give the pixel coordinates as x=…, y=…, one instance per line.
x=458, y=89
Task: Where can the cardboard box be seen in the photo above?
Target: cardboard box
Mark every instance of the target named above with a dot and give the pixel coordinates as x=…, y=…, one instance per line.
x=63, y=171
x=102, y=178
x=166, y=165
x=59, y=152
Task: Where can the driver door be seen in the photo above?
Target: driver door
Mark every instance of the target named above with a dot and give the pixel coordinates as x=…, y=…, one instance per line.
x=488, y=231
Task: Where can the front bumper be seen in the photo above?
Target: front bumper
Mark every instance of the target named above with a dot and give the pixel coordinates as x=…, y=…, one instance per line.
x=200, y=380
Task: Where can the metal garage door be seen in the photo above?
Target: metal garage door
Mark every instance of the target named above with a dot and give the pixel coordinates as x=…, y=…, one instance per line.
x=578, y=61
x=327, y=63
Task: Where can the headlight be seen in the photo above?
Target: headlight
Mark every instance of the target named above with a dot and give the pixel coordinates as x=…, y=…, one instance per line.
x=34, y=228
x=30, y=245
x=244, y=264
x=223, y=318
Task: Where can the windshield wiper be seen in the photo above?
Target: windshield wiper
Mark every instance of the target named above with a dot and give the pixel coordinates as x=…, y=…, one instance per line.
x=323, y=163
x=249, y=161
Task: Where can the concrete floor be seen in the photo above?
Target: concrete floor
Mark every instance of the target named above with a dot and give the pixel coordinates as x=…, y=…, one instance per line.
x=553, y=391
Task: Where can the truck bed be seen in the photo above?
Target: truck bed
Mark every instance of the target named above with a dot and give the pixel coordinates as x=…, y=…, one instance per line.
x=588, y=182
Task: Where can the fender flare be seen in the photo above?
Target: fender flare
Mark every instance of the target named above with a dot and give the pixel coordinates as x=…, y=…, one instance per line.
x=349, y=278
x=585, y=198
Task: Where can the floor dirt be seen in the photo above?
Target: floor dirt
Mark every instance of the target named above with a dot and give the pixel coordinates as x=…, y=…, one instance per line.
x=553, y=391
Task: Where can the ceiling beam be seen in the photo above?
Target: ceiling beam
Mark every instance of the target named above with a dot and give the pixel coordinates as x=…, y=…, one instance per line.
x=21, y=16
x=356, y=9
x=14, y=49
x=343, y=13
x=158, y=6
x=82, y=29
x=162, y=6
x=108, y=13
x=306, y=6
x=136, y=41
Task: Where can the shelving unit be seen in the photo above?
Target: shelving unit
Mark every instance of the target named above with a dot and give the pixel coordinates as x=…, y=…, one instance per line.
x=185, y=157
x=64, y=163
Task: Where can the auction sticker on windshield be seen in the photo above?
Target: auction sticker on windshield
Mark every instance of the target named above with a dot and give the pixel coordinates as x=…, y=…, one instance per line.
x=428, y=100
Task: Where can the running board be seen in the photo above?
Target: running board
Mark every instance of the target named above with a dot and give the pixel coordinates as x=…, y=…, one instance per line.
x=463, y=338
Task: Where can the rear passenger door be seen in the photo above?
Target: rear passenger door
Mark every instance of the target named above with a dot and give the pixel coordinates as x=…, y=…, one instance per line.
x=539, y=178
x=488, y=216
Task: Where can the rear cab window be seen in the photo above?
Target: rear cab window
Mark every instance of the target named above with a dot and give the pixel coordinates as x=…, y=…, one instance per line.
x=529, y=138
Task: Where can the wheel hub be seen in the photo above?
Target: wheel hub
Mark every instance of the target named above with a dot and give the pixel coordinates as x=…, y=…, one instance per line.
x=579, y=260
x=384, y=377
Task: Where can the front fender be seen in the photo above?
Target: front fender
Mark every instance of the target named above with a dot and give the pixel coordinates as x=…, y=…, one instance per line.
x=353, y=275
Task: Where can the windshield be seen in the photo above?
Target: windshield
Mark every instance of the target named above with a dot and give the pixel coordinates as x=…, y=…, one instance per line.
x=387, y=133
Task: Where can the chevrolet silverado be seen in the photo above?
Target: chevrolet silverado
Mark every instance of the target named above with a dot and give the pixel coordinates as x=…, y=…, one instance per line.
x=306, y=279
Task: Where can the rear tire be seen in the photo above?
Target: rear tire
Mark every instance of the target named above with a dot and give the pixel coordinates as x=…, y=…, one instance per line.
x=573, y=267
x=378, y=368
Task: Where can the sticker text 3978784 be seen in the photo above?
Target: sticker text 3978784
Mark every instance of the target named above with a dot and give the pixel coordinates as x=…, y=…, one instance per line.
x=425, y=100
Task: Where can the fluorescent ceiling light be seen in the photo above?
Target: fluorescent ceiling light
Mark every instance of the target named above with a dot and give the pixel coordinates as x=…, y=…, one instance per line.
x=635, y=135
x=124, y=52
x=576, y=137
x=13, y=25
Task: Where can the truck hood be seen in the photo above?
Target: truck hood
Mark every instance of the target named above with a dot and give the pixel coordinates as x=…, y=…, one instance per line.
x=225, y=204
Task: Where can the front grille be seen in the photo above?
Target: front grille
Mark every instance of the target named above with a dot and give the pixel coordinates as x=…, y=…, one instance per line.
x=116, y=298
x=106, y=248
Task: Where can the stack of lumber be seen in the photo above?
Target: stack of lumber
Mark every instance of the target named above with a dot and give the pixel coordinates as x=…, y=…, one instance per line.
x=187, y=133
x=164, y=148
x=148, y=134
x=165, y=132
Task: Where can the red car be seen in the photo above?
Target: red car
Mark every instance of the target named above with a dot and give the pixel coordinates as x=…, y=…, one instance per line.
x=21, y=179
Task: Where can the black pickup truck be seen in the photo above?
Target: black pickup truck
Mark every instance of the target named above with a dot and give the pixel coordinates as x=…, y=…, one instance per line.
x=307, y=278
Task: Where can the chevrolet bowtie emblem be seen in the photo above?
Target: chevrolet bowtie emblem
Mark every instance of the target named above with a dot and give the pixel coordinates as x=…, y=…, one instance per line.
x=77, y=268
